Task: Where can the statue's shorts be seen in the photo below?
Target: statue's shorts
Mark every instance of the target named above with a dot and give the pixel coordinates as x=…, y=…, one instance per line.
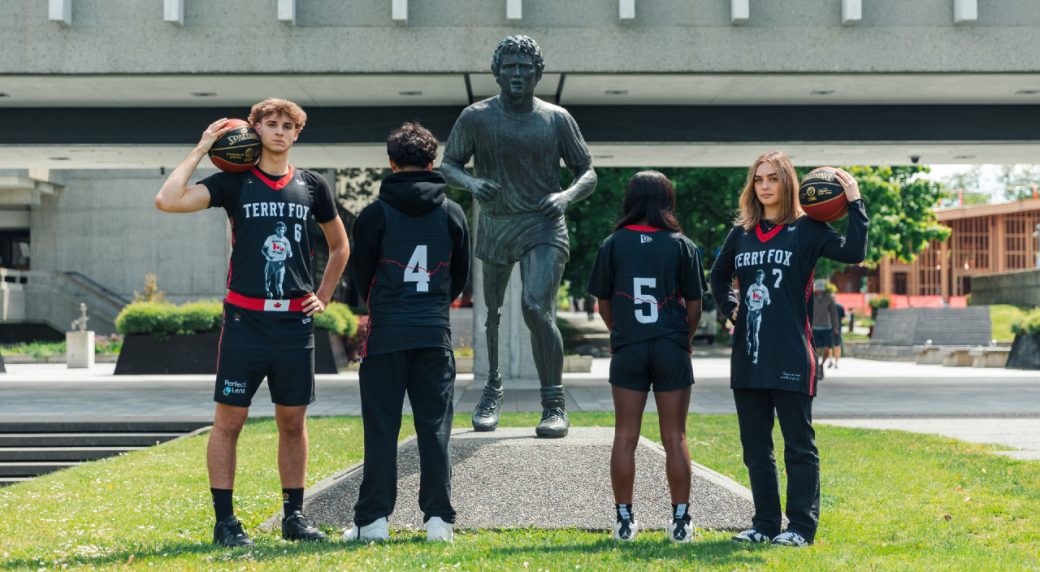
x=504, y=238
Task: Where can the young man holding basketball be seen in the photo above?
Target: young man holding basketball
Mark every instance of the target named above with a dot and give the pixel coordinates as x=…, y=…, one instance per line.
x=411, y=259
x=264, y=336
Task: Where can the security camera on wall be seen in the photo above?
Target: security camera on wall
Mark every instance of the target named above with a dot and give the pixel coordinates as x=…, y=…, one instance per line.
x=915, y=159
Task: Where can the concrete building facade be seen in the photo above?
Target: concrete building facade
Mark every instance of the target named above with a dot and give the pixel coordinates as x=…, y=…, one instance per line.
x=99, y=97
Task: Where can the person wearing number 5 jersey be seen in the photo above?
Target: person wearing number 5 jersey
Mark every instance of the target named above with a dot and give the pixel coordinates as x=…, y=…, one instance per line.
x=772, y=252
x=411, y=259
x=649, y=283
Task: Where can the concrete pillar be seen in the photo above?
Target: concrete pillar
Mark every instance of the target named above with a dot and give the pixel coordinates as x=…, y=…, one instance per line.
x=79, y=349
x=515, y=355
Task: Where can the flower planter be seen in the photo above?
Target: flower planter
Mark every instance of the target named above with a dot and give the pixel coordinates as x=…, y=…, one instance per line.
x=144, y=354
x=1025, y=352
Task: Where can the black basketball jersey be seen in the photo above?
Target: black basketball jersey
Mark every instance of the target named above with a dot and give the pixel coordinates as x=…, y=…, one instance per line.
x=271, y=250
x=410, y=295
x=774, y=267
x=647, y=274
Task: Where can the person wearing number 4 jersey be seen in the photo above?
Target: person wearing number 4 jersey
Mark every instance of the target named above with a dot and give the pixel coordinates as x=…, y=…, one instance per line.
x=411, y=259
x=649, y=283
x=774, y=245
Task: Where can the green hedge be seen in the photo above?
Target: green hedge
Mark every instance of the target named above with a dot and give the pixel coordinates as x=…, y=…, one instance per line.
x=162, y=318
x=1028, y=324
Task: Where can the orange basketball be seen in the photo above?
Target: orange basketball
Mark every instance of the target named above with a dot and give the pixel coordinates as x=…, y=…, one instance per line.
x=237, y=150
x=822, y=196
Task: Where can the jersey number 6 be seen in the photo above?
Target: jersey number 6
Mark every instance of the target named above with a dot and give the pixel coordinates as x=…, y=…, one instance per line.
x=416, y=270
x=640, y=297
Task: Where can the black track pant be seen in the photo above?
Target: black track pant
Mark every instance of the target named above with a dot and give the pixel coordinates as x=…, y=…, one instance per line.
x=755, y=409
x=428, y=376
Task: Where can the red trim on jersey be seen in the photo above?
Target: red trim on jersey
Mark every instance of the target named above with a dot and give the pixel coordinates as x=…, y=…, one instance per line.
x=640, y=228
x=220, y=340
x=767, y=236
x=276, y=185
x=368, y=304
x=232, y=221
x=264, y=304
x=808, y=335
x=812, y=357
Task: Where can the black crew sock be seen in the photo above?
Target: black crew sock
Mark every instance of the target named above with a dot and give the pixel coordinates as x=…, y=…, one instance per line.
x=292, y=500
x=681, y=511
x=222, y=503
x=624, y=512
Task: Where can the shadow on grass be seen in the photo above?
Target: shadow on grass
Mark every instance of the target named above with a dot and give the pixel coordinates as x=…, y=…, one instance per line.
x=270, y=549
x=652, y=546
x=266, y=548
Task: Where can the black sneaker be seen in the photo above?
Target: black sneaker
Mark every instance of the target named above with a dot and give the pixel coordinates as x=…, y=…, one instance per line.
x=229, y=533
x=298, y=526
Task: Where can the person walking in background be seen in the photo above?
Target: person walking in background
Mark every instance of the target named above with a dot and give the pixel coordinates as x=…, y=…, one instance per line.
x=825, y=324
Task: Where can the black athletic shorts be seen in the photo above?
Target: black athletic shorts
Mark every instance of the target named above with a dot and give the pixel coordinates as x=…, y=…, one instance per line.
x=659, y=363
x=256, y=344
x=822, y=338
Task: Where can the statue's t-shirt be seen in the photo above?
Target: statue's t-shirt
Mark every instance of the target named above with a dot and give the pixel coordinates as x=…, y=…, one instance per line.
x=519, y=151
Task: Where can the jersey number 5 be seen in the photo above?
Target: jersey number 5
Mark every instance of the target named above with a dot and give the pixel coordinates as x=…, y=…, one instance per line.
x=640, y=297
x=416, y=270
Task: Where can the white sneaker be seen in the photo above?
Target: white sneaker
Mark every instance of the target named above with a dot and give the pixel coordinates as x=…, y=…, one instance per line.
x=625, y=529
x=791, y=539
x=680, y=530
x=439, y=531
x=373, y=531
x=751, y=536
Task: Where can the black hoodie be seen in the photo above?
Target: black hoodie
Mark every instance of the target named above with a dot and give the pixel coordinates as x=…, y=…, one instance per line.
x=414, y=193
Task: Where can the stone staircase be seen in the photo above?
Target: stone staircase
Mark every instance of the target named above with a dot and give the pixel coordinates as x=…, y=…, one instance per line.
x=33, y=448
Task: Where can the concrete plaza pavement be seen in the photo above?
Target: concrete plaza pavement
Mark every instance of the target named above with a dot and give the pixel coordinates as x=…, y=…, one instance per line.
x=980, y=405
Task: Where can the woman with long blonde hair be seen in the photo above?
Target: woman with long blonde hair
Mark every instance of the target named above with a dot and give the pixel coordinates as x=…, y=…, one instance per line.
x=772, y=252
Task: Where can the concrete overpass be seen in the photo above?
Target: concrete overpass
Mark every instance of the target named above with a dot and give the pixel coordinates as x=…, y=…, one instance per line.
x=96, y=96
x=123, y=84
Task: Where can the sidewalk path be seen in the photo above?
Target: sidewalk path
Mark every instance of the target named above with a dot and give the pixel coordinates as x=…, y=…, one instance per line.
x=859, y=389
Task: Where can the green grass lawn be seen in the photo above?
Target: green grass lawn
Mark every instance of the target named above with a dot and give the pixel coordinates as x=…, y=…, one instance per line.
x=891, y=500
x=1002, y=316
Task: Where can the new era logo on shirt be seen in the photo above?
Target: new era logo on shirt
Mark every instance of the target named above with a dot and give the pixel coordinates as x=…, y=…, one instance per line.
x=643, y=239
x=276, y=305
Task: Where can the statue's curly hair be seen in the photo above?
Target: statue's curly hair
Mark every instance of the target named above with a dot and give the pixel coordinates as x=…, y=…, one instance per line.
x=518, y=44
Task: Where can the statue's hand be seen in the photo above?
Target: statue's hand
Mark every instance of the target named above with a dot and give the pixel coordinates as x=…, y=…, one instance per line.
x=484, y=190
x=553, y=206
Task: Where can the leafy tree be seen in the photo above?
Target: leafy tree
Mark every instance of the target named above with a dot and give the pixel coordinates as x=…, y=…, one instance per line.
x=1019, y=181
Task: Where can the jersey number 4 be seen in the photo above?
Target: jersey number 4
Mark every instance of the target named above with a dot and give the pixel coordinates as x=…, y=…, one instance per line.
x=647, y=315
x=416, y=270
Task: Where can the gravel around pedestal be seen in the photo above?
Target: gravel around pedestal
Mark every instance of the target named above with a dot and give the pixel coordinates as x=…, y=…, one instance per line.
x=509, y=478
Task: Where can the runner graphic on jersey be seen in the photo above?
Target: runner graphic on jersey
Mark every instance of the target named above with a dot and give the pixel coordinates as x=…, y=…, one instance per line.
x=276, y=249
x=757, y=297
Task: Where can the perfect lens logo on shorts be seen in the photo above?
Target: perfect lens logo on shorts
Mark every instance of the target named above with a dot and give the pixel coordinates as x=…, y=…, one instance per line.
x=238, y=387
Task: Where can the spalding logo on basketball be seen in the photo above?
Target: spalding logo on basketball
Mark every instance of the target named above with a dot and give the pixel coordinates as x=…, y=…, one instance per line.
x=822, y=196
x=237, y=150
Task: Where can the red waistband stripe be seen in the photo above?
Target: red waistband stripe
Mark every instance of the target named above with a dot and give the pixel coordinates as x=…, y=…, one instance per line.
x=264, y=304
